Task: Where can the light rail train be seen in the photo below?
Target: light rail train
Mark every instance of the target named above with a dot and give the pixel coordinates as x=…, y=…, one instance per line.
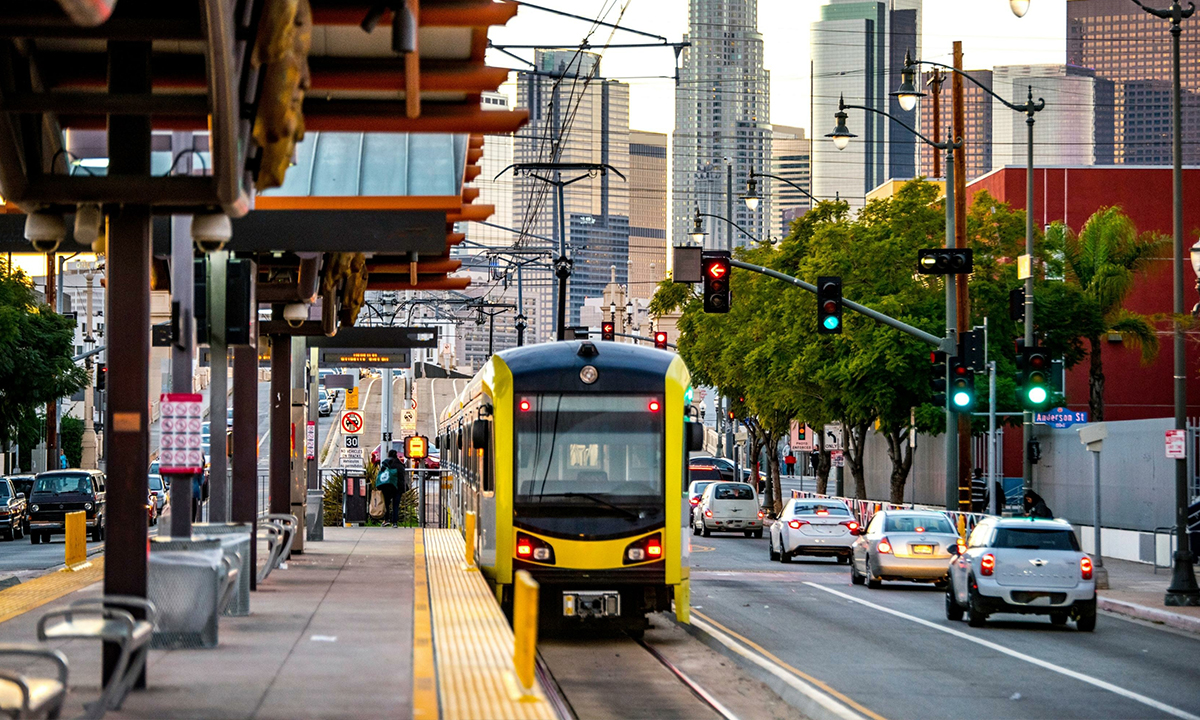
x=573, y=455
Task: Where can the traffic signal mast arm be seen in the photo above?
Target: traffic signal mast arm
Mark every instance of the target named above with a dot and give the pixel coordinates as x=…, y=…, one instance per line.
x=947, y=345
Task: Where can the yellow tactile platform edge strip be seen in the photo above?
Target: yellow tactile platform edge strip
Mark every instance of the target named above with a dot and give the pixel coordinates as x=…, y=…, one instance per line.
x=424, y=686
x=474, y=643
x=20, y=599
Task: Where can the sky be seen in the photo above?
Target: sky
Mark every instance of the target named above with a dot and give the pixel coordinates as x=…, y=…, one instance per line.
x=990, y=33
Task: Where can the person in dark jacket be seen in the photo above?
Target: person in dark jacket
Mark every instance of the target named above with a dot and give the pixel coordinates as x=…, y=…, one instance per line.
x=1035, y=506
x=391, y=483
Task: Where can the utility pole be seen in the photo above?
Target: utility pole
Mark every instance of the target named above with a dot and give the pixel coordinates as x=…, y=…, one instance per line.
x=729, y=203
x=88, y=459
x=52, y=406
x=963, y=306
x=935, y=90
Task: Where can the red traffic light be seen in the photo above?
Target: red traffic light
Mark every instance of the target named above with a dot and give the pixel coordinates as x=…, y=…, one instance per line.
x=717, y=269
x=660, y=340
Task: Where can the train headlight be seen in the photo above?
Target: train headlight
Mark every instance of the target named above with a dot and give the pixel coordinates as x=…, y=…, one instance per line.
x=588, y=374
x=647, y=549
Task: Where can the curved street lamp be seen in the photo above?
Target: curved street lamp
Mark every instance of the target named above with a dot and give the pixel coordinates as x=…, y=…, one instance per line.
x=841, y=137
x=697, y=234
x=752, y=198
x=1019, y=7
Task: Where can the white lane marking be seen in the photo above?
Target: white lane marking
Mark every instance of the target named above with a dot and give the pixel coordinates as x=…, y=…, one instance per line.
x=433, y=402
x=1115, y=689
x=823, y=699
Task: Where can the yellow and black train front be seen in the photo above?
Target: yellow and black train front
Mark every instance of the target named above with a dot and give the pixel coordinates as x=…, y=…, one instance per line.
x=579, y=476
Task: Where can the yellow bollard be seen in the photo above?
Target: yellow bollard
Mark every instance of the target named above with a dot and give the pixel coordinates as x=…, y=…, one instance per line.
x=962, y=528
x=76, y=545
x=469, y=536
x=525, y=620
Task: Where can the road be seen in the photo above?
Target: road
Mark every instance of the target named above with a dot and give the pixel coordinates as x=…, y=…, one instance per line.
x=893, y=652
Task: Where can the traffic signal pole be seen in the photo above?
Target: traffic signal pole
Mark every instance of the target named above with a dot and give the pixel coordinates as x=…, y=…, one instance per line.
x=951, y=342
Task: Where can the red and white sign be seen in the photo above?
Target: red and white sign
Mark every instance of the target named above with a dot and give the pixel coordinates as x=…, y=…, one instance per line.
x=1177, y=444
x=310, y=440
x=352, y=422
x=837, y=458
x=180, y=451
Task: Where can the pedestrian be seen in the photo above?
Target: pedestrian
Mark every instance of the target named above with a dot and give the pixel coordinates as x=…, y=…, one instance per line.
x=790, y=461
x=62, y=460
x=197, y=489
x=979, y=492
x=390, y=482
x=1035, y=506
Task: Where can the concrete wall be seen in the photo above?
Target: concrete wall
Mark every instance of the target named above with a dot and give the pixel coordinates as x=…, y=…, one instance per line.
x=1137, y=480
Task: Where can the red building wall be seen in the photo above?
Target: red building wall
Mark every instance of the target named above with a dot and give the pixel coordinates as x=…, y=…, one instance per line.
x=1132, y=390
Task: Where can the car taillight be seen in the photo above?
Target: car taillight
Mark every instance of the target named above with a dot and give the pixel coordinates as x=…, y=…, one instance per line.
x=987, y=564
x=849, y=524
x=760, y=514
x=695, y=500
x=708, y=513
x=797, y=524
x=884, y=546
x=1085, y=568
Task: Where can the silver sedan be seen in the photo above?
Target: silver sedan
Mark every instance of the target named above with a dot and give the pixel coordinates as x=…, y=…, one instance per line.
x=913, y=545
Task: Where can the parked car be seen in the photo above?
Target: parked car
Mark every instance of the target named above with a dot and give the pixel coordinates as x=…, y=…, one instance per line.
x=727, y=467
x=728, y=507
x=701, y=476
x=13, y=511
x=158, y=491
x=823, y=528
x=58, y=492
x=23, y=483
x=904, y=545
x=1023, y=565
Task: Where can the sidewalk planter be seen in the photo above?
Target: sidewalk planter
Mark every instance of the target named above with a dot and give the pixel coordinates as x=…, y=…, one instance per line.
x=185, y=584
x=235, y=542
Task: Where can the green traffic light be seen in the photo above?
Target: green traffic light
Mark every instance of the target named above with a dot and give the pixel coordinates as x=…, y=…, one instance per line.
x=831, y=322
x=962, y=398
x=1037, y=395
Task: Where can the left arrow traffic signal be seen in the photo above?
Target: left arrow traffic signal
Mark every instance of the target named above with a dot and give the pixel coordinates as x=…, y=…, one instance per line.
x=716, y=281
x=607, y=331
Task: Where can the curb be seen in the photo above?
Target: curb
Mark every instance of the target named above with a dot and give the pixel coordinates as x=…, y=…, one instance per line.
x=1149, y=614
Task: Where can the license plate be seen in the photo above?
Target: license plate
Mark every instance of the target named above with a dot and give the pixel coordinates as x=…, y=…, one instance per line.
x=922, y=549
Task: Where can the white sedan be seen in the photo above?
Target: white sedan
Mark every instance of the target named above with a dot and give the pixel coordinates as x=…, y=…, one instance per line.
x=813, y=527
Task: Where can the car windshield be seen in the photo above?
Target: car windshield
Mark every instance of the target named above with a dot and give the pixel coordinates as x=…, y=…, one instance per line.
x=607, y=445
x=155, y=483
x=820, y=509
x=918, y=524
x=1036, y=539
x=698, y=487
x=62, y=484
x=3, y=490
x=731, y=491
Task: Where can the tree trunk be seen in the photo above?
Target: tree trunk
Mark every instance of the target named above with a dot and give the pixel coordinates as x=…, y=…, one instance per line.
x=900, y=453
x=773, y=477
x=856, y=439
x=1096, y=380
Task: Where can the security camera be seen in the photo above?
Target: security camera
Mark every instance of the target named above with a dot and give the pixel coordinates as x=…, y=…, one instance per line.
x=211, y=231
x=87, y=224
x=45, y=231
x=295, y=314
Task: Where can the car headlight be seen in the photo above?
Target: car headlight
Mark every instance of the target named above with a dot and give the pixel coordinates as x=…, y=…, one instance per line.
x=87, y=506
x=35, y=508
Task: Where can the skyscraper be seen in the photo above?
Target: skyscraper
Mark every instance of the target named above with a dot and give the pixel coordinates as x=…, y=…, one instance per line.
x=789, y=159
x=722, y=121
x=647, y=211
x=1076, y=128
x=977, y=135
x=575, y=116
x=858, y=53
x=1123, y=43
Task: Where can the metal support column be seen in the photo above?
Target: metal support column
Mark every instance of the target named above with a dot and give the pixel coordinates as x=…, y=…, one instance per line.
x=183, y=279
x=243, y=493
x=299, y=477
x=218, y=390
x=280, y=485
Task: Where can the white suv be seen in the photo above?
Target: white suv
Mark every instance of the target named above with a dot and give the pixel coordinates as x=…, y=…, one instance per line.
x=1023, y=565
x=728, y=507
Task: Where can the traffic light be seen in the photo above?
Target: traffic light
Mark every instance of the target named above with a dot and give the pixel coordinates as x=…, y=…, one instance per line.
x=829, y=305
x=944, y=261
x=660, y=340
x=962, y=386
x=970, y=350
x=716, y=281
x=1035, y=386
x=607, y=331
x=101, y=376
x=937, y=378
x=1016, y=305
x=416, y=447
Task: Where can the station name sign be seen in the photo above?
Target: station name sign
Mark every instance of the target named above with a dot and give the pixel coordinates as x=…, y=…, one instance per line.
x=364, y=358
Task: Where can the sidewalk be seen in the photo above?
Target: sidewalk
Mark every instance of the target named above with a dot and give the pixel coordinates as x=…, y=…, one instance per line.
x=1136, y=591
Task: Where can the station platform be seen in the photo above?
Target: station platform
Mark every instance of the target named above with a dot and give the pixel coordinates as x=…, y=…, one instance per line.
x=372, y=622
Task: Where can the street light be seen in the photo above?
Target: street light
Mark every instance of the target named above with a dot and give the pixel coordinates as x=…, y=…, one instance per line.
x=751, y=197
x=697, y=234
x=841, y=138
x=907, y=93
x=1019, y=7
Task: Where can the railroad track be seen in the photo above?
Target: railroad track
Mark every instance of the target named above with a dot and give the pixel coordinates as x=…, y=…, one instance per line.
x=590, y=677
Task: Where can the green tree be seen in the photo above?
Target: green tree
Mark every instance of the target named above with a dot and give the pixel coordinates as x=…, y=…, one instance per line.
x=35, y=354
x=1103, y=261
x=71, y=439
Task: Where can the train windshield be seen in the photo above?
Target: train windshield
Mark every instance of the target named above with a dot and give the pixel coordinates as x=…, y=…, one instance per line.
x=586, y=447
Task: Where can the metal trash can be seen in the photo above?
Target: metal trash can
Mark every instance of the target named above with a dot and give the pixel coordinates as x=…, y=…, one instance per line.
x=315, y=516
x=235, y=541
x=184, y=583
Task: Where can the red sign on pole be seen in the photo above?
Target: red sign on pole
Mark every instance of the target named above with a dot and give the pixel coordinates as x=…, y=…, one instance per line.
x=1177, y=444
x=181, y=416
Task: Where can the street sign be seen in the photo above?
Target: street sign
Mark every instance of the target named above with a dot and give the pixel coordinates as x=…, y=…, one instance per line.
x=365, y=358
x=1177, y=444
x=180, y=450
x=352, y=398
x=408, y=420
x=802, y=438
x=351, y=441
x=352, y=422
x=387, y=437
x=837, y=458
x=833, y=436
x=1060, y=417
x=310, y=440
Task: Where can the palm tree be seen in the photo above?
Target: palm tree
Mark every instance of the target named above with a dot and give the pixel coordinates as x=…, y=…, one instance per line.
x=1103, y=260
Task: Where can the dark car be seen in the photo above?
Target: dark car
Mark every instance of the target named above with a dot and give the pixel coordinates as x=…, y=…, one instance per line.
x=23, y=484
x=59, y=492
x=13, y=514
